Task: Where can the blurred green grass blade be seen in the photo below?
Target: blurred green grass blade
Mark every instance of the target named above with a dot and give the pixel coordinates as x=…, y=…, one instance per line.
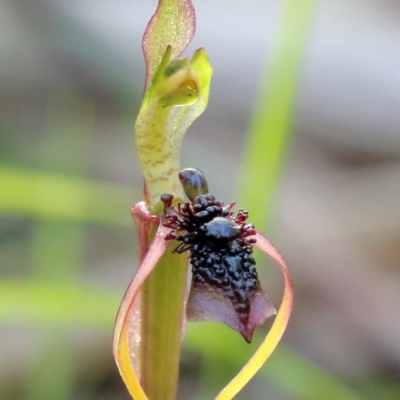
x=269, y=132
x=51, y=373
x=57, y=250
x=52, y=303
x=266, y=149
x=57, y=253
x=289, y=371
x=304, y=379
x=46, y=195
x=57, y=246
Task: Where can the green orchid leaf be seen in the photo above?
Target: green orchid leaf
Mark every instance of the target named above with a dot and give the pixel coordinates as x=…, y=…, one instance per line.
x=173, y=24
x=178, y=94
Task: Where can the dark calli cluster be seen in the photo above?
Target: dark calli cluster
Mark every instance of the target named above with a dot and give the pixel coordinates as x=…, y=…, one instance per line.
x=223, y=269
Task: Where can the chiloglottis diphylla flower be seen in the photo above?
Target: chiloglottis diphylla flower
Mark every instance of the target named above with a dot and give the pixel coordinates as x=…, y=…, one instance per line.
x=224, y=286
x=151, y=319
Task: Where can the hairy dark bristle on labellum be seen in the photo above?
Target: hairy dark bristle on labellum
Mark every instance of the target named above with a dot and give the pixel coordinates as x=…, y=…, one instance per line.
x=225, y=284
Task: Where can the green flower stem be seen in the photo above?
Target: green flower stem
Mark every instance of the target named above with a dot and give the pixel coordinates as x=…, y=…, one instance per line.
x=162, y=307
x=177, y=95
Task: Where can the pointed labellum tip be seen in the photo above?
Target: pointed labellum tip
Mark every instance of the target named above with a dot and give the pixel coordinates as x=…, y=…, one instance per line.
x=210, y=303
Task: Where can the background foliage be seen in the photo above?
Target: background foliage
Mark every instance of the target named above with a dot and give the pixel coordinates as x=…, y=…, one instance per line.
x=71, y=78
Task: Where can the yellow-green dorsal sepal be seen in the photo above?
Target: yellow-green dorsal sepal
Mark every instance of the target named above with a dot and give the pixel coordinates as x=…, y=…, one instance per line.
x=177, y=95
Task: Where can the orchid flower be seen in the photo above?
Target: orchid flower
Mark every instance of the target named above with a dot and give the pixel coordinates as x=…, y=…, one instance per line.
x=151, y=320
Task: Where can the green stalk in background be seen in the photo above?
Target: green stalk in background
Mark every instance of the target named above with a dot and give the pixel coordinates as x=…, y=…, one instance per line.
x=57, y=254
x=269, y=134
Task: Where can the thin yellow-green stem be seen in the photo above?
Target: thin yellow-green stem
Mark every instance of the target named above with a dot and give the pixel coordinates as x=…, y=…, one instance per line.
x=162, y=307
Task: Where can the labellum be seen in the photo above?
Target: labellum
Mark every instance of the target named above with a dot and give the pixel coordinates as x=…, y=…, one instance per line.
x=225, y=285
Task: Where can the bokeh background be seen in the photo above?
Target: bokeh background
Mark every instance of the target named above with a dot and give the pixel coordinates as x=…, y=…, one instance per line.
x=71, y=80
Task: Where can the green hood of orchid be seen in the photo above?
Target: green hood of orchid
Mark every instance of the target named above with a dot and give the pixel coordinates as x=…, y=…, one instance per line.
x=176, y=96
